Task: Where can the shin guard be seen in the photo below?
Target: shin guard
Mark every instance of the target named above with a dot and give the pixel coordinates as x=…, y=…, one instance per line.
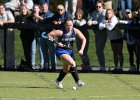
x=74, y=73
x=62, y=74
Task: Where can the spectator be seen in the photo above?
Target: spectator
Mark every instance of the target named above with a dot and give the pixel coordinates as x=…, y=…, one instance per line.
x=117, y=9
x=13, y=6
x=26, y=36
x=47, y=46
x=66, y=37
x=79, y=4
x=7, y=17
x=107, y=4
x=130, y=40
x=88, y=7
x=54, y=4
x=135, y=5
x=125, y=4
x=135, y=34
x=37, y=37
x=44, y=1
x=100, y=35
x=29, y=3
x=80, y=23
x=36, y=2
x=70, y=6
x=115, y=6
x=115, y=36
x=60, y=16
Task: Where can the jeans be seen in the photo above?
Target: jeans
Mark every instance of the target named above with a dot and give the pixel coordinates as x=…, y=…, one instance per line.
x=70, y=6
x=115, y=6
x=100, y=41
x=48, y=53
x=36, y=42
x=126, y=4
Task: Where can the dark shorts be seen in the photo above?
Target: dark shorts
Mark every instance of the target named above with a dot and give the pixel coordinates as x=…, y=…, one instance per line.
x=60, y=51
x=117, y=40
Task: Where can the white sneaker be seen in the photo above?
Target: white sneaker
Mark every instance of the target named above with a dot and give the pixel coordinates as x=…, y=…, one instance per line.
x=80, y=83
x=59, y=84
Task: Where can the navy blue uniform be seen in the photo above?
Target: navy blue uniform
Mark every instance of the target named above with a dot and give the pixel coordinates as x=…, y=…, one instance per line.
x=68, y=40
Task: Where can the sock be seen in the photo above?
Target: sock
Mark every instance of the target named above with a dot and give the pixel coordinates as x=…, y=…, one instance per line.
x=62, y=74
x=74, y=73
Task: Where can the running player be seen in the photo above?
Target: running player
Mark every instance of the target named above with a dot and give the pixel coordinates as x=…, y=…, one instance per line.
x=66, y=37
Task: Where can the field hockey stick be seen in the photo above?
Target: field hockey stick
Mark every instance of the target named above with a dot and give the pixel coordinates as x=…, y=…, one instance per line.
x=55, y=42
x=64, y=46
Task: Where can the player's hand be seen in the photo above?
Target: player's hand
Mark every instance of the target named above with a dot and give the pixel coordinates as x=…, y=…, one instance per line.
x=51, y=38
x=89, y=23
x=80, y=52
x=60, y=44
x=1, y=23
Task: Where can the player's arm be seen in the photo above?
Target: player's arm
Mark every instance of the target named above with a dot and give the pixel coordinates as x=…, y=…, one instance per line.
x=82, y=38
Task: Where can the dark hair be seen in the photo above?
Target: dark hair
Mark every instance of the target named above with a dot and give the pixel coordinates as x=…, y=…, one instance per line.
x=68, y=19
x=2, y=5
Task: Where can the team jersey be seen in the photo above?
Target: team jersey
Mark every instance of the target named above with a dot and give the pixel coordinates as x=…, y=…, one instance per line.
x=67, y=39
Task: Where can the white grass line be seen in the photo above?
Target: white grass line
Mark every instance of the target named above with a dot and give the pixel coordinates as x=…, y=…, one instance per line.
x=110, y=96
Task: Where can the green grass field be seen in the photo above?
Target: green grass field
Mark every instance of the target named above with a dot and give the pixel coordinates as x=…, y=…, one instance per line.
x=41, y=86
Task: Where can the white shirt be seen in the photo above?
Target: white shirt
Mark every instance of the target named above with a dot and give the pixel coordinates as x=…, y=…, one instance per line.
x=113, y=34
x=79, y=22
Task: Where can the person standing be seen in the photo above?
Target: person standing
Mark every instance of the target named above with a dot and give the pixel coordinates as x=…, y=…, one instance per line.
x=115, y=37
x=26, y=36
x=36, y=42
x=41, y=2
x=59, y=17
x=100, y=35
x=66, y=37
x=125, y=4
x=130, y=41
x=47, y=46
x=88, y=7
x=71, y=6
x=28, y=3
x=7, y=17
x=80, y=23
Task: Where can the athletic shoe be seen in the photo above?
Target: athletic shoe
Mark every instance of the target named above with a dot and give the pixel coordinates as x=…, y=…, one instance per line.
x=80, y=83
x=33, y=67
x=59, y=84
x=132, y=69
x=102, y=69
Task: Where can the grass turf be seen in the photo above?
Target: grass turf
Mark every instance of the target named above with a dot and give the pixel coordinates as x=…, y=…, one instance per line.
x=41, y=86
